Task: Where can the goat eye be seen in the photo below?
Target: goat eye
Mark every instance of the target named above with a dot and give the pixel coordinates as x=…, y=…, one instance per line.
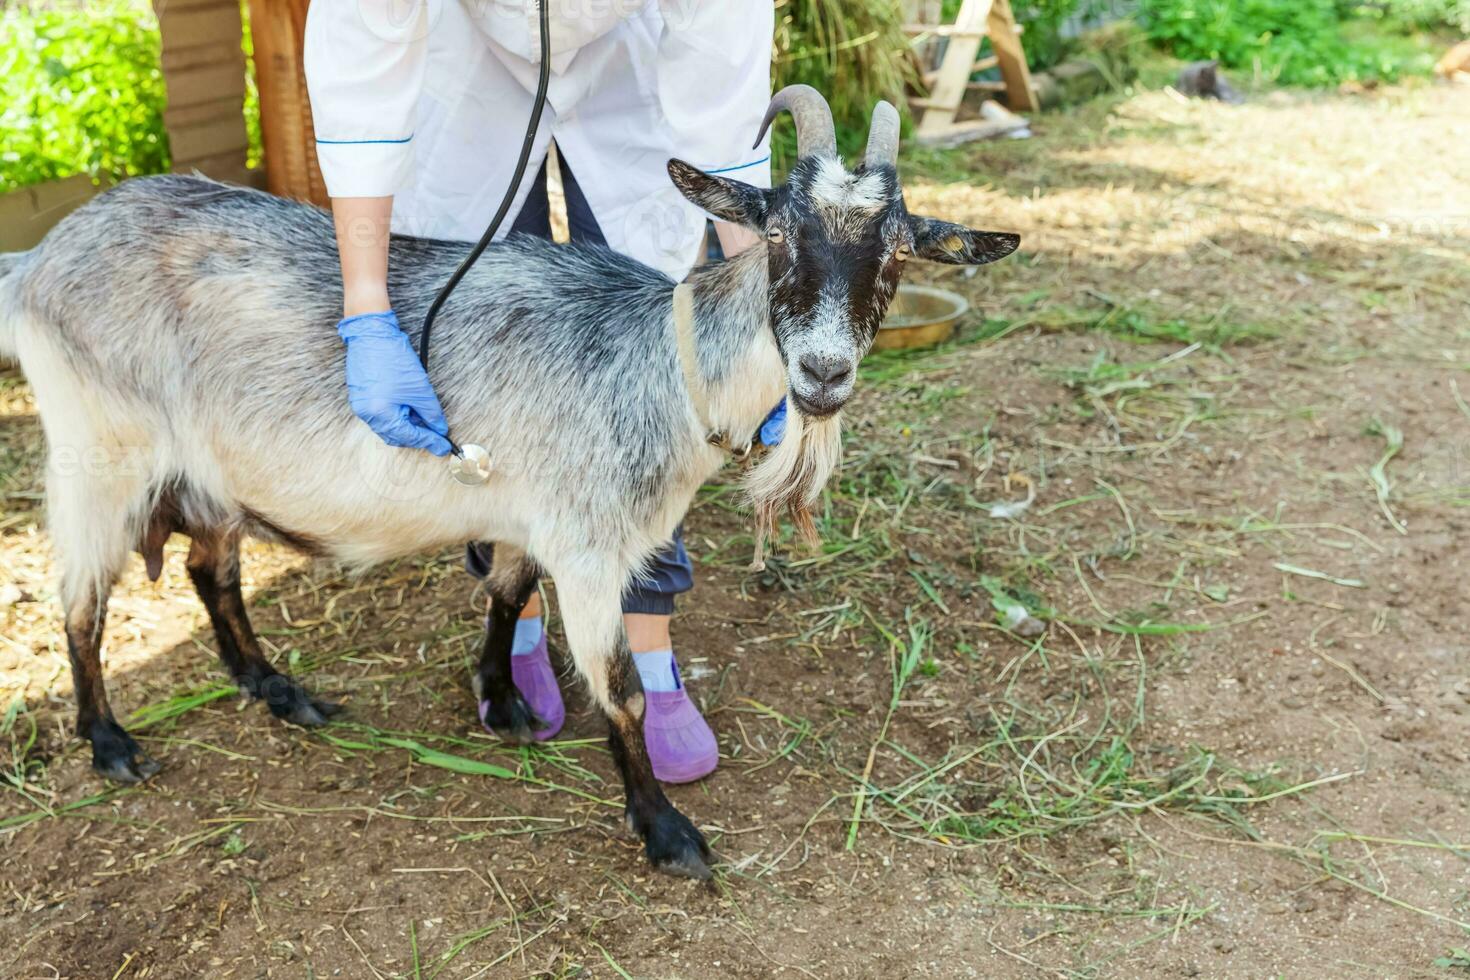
x=902, y=252
x=776, y=236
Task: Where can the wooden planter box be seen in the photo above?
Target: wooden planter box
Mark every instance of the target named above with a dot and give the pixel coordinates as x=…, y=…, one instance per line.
x=204, y=76
x=27, y=214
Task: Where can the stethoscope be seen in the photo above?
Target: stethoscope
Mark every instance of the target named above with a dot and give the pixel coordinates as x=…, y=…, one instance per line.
x=469, y=463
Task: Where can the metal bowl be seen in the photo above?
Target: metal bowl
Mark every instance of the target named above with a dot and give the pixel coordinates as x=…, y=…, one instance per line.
x=919, y=317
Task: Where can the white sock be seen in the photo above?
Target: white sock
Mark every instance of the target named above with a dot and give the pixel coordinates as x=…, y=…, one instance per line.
x=657, y=670
x=528, y=635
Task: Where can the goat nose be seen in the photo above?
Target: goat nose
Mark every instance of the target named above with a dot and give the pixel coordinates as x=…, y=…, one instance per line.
x=824, y=370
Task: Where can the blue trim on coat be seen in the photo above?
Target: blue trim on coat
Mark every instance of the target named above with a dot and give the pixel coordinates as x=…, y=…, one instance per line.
x=357, y=142
x=742, y=166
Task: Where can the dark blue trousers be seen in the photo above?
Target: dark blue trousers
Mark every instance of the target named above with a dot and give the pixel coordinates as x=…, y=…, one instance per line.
x=670, y=572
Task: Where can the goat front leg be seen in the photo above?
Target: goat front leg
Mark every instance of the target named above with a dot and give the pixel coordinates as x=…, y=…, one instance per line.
x=503, y=708
x=592, y=611
x=214, y=567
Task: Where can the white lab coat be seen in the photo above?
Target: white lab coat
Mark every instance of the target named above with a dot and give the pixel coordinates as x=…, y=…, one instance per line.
x=427, y=100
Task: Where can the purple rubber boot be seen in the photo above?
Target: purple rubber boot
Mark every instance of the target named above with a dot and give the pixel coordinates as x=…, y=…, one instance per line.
x=680, y=744
x=535, y=679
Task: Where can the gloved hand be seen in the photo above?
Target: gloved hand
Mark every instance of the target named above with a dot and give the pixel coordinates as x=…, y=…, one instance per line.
x=773, y=429
x=388, y=388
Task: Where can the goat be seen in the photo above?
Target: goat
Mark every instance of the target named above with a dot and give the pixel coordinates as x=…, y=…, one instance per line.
x=178, y=336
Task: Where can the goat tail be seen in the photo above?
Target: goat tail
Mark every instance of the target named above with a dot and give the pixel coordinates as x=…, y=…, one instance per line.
x=9, y=304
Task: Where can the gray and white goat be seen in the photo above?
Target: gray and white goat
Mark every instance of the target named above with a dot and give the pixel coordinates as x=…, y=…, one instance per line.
x=178, y=335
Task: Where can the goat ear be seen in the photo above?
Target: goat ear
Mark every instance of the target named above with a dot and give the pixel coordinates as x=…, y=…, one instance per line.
x=728, y=200
x=941, y=241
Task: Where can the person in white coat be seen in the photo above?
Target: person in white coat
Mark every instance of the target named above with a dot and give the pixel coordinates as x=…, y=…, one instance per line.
x=419, y=107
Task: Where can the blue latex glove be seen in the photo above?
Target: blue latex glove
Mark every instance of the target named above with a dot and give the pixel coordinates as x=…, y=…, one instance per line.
x=773, y=429
x=388, y=388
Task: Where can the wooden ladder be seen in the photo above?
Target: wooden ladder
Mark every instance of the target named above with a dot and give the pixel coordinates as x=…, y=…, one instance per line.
x=977, y=20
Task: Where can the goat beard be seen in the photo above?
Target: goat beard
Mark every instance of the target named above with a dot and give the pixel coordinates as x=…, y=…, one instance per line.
x=791, y=476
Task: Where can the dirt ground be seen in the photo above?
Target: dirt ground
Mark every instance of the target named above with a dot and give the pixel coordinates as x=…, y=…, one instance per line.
x=1232, y=364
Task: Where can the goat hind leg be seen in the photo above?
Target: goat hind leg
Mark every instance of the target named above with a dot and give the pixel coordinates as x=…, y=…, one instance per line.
x=115, y=754
x=89, y=507
x=214, y=567
x=592, y=609
x=504, y=711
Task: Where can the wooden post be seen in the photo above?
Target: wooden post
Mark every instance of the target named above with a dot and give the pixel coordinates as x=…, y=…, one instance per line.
x=1006, y=41
x=948, y=90
x=977, y=20
x=289, y=143
x=204, y=77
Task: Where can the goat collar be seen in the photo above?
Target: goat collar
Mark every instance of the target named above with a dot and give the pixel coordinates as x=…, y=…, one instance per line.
x=693, y=382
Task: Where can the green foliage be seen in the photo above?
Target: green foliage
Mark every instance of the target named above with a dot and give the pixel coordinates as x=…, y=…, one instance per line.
x=255, y=156
x=852, y=51
x=1427, y=14
x=1454, y=959
x=80, y=92
x=1293, y=42
x=1043, y=20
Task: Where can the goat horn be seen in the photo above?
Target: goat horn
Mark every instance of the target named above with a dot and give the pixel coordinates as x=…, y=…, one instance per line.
x=882, y=137
x=815, y=133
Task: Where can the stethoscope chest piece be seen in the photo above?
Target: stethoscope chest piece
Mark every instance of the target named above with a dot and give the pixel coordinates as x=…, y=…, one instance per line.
x=472, y=466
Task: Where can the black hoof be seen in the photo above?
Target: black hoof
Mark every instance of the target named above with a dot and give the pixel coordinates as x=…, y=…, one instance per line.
x=289, y=701
x=513, y=721
x=310, y=713
x=116, y=756
x=674, y=846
